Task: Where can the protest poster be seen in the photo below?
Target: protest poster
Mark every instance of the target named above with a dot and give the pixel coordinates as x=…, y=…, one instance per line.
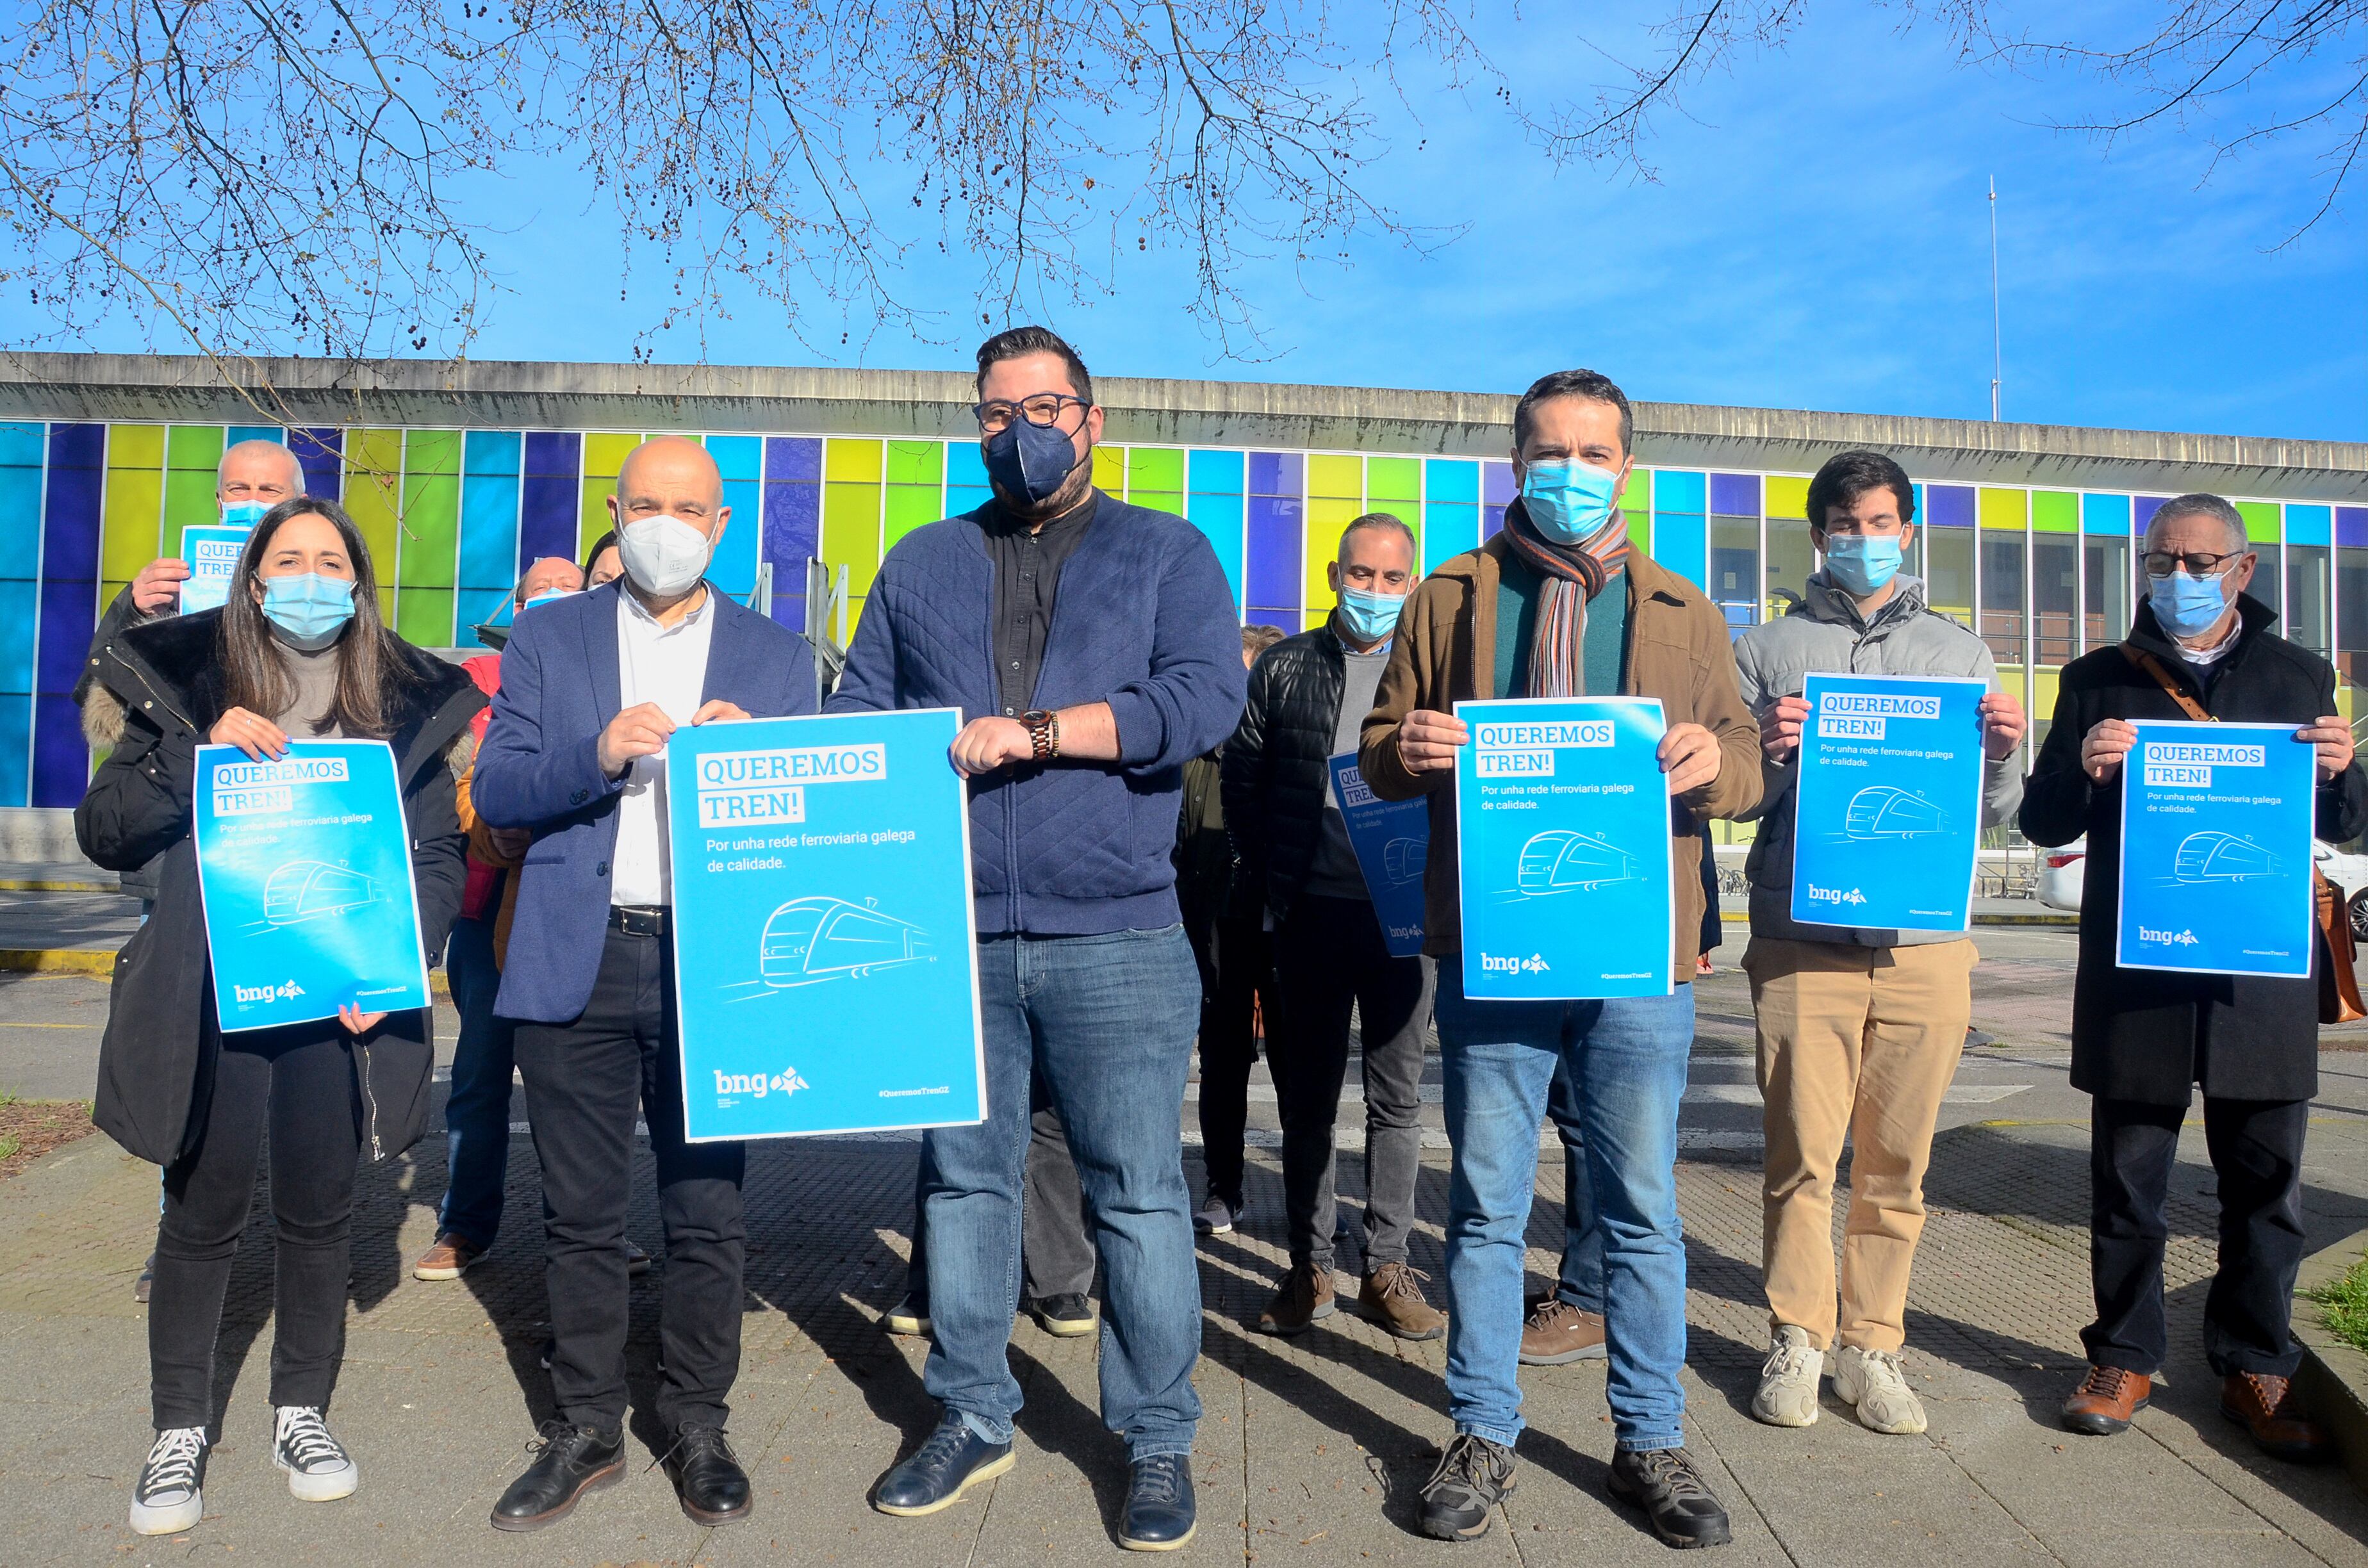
x=1887, y=803
x=1392, y=840
x=304, y=868
x=2216, y=850
x=1562, y=818
x=213, y=551
x=825, y=961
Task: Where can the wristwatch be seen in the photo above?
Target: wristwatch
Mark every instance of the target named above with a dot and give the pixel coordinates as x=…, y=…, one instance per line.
x=1043, y=732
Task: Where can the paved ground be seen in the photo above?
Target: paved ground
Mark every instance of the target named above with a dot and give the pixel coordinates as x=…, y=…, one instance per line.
x=1310, y=1451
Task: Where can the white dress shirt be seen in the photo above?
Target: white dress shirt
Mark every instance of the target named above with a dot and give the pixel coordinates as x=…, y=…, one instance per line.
x=667, y=666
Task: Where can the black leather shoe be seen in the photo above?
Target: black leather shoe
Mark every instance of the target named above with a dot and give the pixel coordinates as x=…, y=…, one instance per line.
x=1665, y=1483
x=934, y=1477
x=1158, y=1514
x=707, y=1478
x=569, y=1461
x=1065, y=1317
x=1473, y=1474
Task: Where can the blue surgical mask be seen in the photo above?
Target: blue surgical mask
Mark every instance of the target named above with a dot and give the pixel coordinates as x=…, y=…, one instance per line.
x=1569, y=502
x=2185, y=605
x=243, y=514
x=1862, y=563
x=309, y=610
x=1370, y=617
x=1029, y=463
x=546, y=599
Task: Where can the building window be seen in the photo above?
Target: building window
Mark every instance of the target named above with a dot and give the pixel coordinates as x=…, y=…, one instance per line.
x=2055, y=595
x=2307, y=595
x=2107, y=581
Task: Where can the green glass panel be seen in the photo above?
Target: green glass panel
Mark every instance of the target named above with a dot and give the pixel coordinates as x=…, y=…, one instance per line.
x=1392, y=479
x=194, y=446
x=2054, y=512
x=1156, y=471
x=423, y=617
x=910, y=506
x=917, y=462
x=1169, y=501
x=2263, y=523
x=189, y=500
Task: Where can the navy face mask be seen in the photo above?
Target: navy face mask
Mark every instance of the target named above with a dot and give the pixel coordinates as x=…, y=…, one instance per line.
x=1029, y=461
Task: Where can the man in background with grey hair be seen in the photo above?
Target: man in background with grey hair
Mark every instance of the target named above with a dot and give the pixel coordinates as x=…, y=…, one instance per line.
x=2199, y=647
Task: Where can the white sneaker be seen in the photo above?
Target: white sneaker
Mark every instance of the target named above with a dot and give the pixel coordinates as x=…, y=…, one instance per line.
x=1788, y=1379
x=319, y=1469
x=164, y=1500
x=1870, y=1382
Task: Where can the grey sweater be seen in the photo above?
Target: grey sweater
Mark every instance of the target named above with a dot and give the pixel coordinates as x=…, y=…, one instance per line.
x=1826, y=634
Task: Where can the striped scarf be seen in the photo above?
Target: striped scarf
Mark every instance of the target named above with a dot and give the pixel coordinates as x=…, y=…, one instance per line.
x=1573, y=575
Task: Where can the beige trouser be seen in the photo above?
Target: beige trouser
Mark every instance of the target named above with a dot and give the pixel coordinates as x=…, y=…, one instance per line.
x=1859, y=1043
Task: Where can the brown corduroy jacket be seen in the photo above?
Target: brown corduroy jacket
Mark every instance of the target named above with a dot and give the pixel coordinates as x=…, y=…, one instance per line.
x=1445, y=653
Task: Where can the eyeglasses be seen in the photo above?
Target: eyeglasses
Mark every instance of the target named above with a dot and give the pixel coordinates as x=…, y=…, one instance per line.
x=2198, y=562
x=1043, y=408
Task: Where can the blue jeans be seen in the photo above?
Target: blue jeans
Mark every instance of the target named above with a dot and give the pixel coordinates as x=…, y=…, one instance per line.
x=1626, y=1061
x=1580, y=1280
x=477, y=1116
x=1105, y=1023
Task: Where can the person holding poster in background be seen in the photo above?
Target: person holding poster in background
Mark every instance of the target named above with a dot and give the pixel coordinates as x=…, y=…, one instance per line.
x=591, y=686
x=1307, y=703
x=2143, y=1039
x=1558, y=606
x=299, y=652
x=1860, y=1029
x=1094, y=647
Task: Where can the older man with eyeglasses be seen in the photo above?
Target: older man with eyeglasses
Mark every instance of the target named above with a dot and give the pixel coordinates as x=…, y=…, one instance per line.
x=1095, y=646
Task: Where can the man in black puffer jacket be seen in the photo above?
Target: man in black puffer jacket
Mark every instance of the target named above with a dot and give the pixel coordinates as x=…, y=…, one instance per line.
x=1308, y=698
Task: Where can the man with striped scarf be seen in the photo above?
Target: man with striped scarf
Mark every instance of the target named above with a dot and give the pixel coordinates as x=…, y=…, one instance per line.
x=1557, y=605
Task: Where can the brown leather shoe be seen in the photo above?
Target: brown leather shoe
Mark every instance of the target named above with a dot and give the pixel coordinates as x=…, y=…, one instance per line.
x=1305, y=1295
x=450, y=1258
x=2106, y=1399
x=1557, y=1332
x=1392, y=1296
x=2269, y=1408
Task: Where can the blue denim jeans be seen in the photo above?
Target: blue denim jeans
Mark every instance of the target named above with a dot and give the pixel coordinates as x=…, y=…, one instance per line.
x=1626, y=1061
x=1105, y=1023
x=477, y=1115
x=1580, y=1280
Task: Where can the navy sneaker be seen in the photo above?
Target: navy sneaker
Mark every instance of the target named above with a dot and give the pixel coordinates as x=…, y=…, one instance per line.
x=934, y=1477
x=1219, y=1215
x=1158, y=1503
x=1065, y=1317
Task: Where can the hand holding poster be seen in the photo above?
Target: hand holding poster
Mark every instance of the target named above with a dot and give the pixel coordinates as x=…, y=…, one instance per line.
x=2216, y=851
x=1391, y=839
x=213, y=551
x=1561, y=821
x=825, y=962
x=304, y=867
x=1887, y=807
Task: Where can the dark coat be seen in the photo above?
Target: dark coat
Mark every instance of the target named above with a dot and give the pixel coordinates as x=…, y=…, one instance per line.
x=540, y=769
x=1278, y=767
x=162, y=683
x=2144, y=1034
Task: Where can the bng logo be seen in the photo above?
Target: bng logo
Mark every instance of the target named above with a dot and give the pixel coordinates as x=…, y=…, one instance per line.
x=756, y=1085
x=2167, y=939
x=1535, y=964
x=286, y=991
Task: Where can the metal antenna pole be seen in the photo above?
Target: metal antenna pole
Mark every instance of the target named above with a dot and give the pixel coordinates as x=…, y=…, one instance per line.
x=1997, y=345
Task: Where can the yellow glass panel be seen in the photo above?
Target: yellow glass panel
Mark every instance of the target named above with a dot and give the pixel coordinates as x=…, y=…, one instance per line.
x=374, y=477
x=604, y=453
x=1337, y=477
x=2005, y=508
x=856, y=460
x=1327, y=516
x=1110, y=471
x=1787, y=496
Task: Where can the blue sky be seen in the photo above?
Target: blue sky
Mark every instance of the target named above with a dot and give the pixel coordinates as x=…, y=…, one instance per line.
x=1817, y=236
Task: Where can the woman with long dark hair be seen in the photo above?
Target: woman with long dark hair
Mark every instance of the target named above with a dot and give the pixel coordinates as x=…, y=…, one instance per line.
x=298, y=652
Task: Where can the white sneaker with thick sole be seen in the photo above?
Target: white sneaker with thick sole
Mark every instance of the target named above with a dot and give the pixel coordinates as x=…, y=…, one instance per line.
x=1871, y=1382
x=1788, y=1379
x=164, y=1500
x=319, y=1469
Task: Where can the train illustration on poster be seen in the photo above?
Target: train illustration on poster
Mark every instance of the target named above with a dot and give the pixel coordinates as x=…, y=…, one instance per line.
x=1402, y=859
x=1885, y=810
x=809, y=940
x=1559, y=861
x=310, y=890
x=2215, y=857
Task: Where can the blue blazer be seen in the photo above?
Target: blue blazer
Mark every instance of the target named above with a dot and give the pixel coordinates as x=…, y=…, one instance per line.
x=540, y=769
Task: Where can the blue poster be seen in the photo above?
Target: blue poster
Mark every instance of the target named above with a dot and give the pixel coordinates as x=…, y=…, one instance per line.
x=212, y=551
x=1562, y=824
x=1887, y=809
x=1391, y=839
x=304, y=865
x=2216, y=850
x=825, y=959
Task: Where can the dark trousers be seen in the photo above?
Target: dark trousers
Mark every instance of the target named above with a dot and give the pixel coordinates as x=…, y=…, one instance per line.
x=1235, y=971
x=1057, y=1256
x=585, y=1081
x=477, y=1114
x=2256, y=1148
x=1329, y=955
x=298, y=1082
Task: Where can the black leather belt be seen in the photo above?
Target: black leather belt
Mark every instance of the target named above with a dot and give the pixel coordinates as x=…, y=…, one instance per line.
x=640, y=919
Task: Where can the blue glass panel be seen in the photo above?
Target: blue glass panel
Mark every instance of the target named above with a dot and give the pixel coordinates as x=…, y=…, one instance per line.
x=1449, y=528
x=60, y=759
x=1497, y=483
x=1219, y=518
x=69, y=510
x=1734, y=494
x=1681, y=541
x=489, y=515
x=733, y=568
x=739, y=457
x=479, y=606
x=550, y=498
x=555, y=454
x=2352, y=526
x=16, y=749
x=1270, y=555
x=792, y=526
x=1451, y=480
x=20, y=443
x=2142, y=511
x=2310, y=525
x=237, y=433
x=1677, y=489
x=320, y=451
x=1949, y=505
x=20, y=619
x=492, y=451
x=1216, y=471
x=2105, y=515
x=1277, y=473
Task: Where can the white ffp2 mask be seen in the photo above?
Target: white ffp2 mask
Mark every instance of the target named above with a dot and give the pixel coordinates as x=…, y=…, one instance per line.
x=662, y=554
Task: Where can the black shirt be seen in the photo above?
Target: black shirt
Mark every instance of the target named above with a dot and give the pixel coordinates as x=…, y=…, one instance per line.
x=1027, y=571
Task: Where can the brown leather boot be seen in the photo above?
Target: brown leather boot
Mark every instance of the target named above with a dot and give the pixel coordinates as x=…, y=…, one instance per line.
x=1392, y=1296
x=2268, y=1407
x=2106, y=1399
x=1557, y=1334
x=1305, y=1296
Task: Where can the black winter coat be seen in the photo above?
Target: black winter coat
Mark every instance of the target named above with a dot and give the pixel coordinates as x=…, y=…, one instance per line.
x=2144, y=1034
x=159, y=681
x=1278, y=767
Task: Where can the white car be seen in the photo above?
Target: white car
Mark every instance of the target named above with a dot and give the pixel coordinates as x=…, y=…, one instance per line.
x=2063, y=872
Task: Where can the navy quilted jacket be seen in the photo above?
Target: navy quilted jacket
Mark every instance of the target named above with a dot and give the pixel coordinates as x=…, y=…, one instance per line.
x=1144, y=620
